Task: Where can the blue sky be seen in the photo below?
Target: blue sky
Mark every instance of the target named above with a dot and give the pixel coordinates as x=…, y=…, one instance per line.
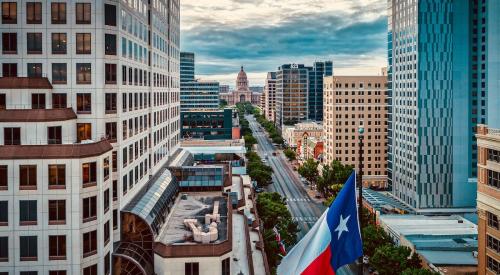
x=263, y=34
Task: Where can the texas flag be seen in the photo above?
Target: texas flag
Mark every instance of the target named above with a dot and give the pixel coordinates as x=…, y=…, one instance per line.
x=334, y=241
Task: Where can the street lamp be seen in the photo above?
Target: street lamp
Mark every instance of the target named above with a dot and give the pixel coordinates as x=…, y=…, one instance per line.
x=361, y=131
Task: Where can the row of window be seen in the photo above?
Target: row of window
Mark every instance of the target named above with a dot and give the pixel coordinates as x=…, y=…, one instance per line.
x=34, y=43
x=56, y=175
x=12, y=135
x=58, y=13
x=28, y=250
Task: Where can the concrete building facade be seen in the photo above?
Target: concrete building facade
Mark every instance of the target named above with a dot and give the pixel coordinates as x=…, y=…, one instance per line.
x=269, y=106
x=348, y=102
x=488, y=199
x=89, y=112
x=292, y=86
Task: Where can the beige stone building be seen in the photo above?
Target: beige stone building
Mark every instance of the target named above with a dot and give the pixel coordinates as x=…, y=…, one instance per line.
x=296, y=136
x=488, y=200
x=242, y=92
x=269, y=105
x=348, y=100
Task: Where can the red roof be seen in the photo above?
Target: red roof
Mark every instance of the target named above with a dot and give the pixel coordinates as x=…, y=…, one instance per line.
x=25, y=83
x=55, y=151
x=37, y=115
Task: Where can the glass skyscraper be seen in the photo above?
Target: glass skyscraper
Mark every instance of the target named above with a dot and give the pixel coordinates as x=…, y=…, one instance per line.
x=315, y=93
x=443, y=80
x=187, y=66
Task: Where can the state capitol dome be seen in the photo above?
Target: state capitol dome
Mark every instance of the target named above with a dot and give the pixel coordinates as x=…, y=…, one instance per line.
x=242, y=80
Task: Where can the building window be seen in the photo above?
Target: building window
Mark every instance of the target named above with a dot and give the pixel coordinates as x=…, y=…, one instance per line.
x=110, y=15
x=89, y=244
x=110, y=103
x=57, y=272
x=226, y=267
x=28, y=273
x=9, y=69
x=111, y=131
x=9, y=43
x=59, y=73
x=33, y=13
x=83, y=13
x=4, y=213
x=115, y=190
x=34, y=69
x=90, y=270
x=83, y=104
x=3, y=102
x=4, y=249
x=492, y=220
x=57, y=176
x=493, y=265
x=27, y=177
x=9, y=13
x=493, y=243
x=191, y=268
x=37, y=101
x=110, y=44
x=27, y=212
x=89, y=209
x=59, y=101
x=59, y=42
x=494, y=179
x=54, y=135
x=107, y=263
x=34, y=42
x=115, y=219
x=89, y=176
x=57, y=247
x=106, y=233
x=4, y=177
x=57, y=212
x=83, y=131
x=114, y=159
x=12, y=136
x=106, y=201
x=58, y=13
x=105, y=168
x=83, y=73
x=110, y=73
x=28, y=248
x=83, y=43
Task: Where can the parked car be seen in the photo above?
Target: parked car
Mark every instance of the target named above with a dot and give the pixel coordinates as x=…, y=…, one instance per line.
x=259, y=190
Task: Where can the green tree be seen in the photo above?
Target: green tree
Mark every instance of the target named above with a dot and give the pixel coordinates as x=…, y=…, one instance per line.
x=223, y=103
x=273, y=212
x=249, y=141
x=374, y=237
x=309, y=170
x=418, y=271
x=262, y=177
x=290, y=154
x=390, y=259
x=334, y=174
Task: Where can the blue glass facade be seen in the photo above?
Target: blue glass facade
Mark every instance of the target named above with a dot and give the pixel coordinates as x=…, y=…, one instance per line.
x=315, y=93
x=197, y=95
x=187, y=66
x=208, y=125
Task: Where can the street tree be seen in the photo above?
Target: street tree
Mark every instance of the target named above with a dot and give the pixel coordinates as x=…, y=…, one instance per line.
x=309, y=170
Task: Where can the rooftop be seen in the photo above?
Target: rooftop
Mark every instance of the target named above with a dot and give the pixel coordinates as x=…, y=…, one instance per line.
x=383, y=201
x=193, y=206
x=429, y=225
x=55, y=151
x=36, y=115
x=25, y=83
x=196, y=146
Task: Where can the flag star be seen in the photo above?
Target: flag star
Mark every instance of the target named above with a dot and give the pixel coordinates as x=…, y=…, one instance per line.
x=342, y=226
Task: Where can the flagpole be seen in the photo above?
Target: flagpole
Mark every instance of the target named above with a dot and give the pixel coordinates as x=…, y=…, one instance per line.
x=361, y=131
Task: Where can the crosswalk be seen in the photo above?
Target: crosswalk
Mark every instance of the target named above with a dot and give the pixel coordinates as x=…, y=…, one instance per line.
x=298, y=199
x=310, y=220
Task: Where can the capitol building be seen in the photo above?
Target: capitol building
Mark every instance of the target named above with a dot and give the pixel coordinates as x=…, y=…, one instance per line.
x=242, y=93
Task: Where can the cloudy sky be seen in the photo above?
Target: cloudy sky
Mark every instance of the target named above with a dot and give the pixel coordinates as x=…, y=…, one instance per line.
x=263, y=34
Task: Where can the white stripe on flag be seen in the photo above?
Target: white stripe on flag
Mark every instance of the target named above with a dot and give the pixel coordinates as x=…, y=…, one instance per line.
x=308, y=249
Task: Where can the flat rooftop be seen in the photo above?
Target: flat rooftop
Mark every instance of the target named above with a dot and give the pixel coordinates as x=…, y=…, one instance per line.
x=193, y=205
x=383, y=201
x=197, y=146
x=429, y=225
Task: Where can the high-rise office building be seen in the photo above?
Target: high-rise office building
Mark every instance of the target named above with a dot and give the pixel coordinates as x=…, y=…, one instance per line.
x=89, y=112
x=443, y=70
x=315, y=93
x=292, y=86
x=270, y=96
x=187, y=67
x=350, y=101
x=196, y=94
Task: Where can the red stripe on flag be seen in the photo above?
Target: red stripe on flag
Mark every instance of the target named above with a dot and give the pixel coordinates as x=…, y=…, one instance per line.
x=321, y=265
